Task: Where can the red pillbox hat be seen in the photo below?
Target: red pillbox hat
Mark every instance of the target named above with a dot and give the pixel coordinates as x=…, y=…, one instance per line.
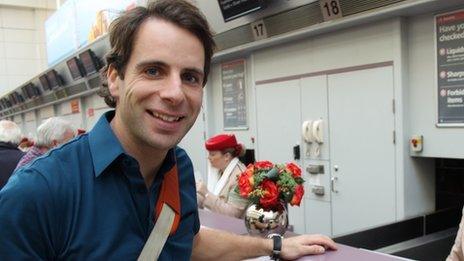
x=221, y=142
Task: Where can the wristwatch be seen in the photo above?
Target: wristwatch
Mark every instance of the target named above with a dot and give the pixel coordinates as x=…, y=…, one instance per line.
x=277, y=245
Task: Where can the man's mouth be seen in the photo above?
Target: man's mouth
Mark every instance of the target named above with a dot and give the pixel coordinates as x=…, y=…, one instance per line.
x=164, y=117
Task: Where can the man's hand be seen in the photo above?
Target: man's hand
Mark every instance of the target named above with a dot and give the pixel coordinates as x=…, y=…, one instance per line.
x=201, y=188
x=295, y=247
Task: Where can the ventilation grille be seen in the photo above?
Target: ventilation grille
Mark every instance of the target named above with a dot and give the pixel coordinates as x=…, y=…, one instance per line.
x=290, y=20
x=75, y=89
x=350, y=7
x=94, y=82
x=47, y=98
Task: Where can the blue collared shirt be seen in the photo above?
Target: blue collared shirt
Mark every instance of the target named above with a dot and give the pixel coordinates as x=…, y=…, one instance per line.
x=87, y=200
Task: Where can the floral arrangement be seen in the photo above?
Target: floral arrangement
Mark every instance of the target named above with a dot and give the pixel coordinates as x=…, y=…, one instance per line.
x=269, y=185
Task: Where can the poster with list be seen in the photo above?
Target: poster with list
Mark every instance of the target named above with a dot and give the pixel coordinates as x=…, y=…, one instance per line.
x=234, y=95
x=449, y=35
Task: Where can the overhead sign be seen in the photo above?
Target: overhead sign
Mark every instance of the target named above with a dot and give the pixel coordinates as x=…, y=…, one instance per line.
x=449, y=35
x=330, y=9
x=234, y=95
x=259, y=30
x=232, y=9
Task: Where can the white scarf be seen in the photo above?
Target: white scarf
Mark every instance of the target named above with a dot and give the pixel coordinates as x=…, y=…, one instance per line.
x=216, y=184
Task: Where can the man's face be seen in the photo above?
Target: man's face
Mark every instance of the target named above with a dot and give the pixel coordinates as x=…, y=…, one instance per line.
x=160, y=97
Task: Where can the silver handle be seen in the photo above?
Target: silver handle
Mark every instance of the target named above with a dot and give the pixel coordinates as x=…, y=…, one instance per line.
x=332, y=184
x=336, y=167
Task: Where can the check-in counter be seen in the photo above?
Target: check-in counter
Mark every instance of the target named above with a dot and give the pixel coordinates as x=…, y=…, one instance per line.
x=344, y=252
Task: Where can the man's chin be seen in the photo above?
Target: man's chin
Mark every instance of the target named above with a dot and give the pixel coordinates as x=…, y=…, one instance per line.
x=164, y=143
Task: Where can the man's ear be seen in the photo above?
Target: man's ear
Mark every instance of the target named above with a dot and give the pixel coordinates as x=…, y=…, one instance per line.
x=113, y=81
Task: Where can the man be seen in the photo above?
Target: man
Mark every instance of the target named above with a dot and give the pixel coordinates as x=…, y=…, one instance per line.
x=94, y=197
x=10, y=137
x=51, y=133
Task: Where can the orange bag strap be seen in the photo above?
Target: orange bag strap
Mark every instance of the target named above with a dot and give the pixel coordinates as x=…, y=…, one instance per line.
x=170, y=195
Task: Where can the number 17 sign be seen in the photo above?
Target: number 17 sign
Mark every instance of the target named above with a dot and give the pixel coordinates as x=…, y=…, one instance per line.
x=330, y=9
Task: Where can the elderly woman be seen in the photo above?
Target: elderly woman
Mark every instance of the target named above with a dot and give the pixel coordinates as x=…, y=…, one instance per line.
x=52, y=132
x=221, y=197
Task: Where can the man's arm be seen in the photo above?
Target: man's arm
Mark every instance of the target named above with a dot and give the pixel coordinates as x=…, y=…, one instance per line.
x=211, y=244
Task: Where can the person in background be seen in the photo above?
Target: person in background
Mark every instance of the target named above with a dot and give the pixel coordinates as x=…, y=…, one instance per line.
x=81, y=131
x=25, y=144
x=10, y=137
x=457, y=250
x=100, y=196
x=51, y=133
x=220, y=195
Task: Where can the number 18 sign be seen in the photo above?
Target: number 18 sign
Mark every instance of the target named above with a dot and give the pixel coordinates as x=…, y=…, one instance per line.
x=330, y=9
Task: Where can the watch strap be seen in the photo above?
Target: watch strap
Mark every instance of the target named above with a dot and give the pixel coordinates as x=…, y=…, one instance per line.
x=277, y=246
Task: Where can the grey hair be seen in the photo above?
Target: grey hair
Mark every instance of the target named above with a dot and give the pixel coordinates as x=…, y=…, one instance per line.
x=53, y=128
x=10, y=132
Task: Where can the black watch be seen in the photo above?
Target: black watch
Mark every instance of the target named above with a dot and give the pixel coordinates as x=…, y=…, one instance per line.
x=277, y=245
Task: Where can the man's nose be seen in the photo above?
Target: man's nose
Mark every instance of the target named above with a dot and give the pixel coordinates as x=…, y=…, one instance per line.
x=173, y=91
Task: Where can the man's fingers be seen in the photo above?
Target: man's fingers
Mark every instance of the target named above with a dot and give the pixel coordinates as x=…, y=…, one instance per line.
x=313, y=250
x=320, y=240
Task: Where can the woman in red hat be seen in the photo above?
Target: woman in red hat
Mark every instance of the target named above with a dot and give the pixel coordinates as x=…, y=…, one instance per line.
x=220, y=195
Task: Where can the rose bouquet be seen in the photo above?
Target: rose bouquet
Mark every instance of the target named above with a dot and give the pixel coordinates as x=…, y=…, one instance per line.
x=270, y=186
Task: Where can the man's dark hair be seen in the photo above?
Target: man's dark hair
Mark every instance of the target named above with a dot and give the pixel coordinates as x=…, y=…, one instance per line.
x=123, y=30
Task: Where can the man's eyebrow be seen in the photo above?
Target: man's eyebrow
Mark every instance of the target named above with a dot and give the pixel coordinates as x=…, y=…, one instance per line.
x=195, y=70
x=144, y=64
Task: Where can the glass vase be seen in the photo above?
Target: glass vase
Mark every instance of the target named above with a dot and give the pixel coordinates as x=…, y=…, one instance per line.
x=260, y=222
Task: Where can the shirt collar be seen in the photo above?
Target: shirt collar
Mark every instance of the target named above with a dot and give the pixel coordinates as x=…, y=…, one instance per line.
x=104, y=145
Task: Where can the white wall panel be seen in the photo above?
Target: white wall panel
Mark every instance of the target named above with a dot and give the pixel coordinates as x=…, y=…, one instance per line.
x=18, y=50
x=22, y=40
x=17, y=18
x=30, y=125
x=28, y=67
x=354, y=46
x=97, y=104
x=46, y=112
x=19, y=36
x=16, y=80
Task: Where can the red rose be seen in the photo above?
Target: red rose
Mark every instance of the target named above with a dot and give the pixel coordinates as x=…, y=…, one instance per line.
x=297, y=196
x=270, y=194
x=250, y=170
x=264, y=164
x=246, y=182
x=294, y=169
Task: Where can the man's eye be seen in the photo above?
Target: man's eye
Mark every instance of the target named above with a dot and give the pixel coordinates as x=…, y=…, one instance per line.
x=152, y=71
x=190, y=78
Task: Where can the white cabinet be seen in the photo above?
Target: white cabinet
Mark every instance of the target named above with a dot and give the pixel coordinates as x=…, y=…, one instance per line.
x=357, y=128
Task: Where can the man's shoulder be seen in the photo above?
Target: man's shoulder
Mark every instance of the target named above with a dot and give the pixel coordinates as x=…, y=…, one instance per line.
x=182, y=158
x=180, y=153
x=69, y=153
x=62, y=163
